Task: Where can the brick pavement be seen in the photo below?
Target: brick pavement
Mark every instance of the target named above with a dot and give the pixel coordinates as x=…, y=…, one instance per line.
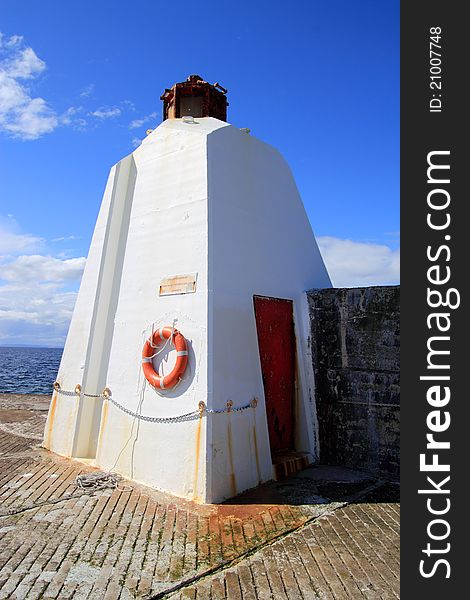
x=310, y=536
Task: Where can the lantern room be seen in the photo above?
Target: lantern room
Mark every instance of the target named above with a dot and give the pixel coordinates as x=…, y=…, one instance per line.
x=195, y=98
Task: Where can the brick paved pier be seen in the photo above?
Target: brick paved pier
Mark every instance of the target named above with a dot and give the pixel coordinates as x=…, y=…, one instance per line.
x=323, y=533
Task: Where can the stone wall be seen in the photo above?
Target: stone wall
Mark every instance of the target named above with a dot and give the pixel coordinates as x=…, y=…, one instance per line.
x=355, y=339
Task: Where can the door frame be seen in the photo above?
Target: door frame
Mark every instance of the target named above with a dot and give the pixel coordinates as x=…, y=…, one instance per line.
x=305, y=414
x=288, y=305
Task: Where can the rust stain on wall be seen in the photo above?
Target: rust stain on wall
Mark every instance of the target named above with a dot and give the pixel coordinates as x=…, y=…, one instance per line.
x=50, y=422
x=233, y=483
x=104, y=418
x=197, y=457
x=69, y=430
x=255, y=442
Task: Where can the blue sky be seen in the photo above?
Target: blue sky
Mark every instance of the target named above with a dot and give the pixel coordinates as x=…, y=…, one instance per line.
x=80, y=83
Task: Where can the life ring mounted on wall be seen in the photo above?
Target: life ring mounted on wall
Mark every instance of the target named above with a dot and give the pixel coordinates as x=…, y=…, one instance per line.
x=178, y=340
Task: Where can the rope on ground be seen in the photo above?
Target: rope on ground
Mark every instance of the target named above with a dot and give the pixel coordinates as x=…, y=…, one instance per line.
x=87, y=483
x=97, y=481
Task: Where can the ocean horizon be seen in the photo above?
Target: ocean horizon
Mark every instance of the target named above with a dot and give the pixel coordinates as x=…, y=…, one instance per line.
x=28, y=369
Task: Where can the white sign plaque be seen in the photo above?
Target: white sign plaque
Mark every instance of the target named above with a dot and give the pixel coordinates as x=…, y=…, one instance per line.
x=178, y=284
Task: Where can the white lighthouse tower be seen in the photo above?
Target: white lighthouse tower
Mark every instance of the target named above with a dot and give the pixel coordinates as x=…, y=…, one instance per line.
x=187, y=365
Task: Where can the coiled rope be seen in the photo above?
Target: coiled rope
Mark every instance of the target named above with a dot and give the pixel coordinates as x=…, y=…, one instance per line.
x=97, y=481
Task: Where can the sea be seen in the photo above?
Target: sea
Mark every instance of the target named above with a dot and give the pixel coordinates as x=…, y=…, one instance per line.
x=28, y=370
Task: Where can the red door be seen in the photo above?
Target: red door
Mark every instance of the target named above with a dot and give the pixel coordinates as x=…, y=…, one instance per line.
x=276, y=344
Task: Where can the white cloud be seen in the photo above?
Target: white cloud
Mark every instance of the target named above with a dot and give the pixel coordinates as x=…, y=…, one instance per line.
x=71, y=118
x=14, y=40
x=43, y=268
x=27, y=117
x=352, y=264
x=66, y=238
x=106, y=112
x=129, y=105
x=136, y=123
x=22, y=115
x=35, y=314
x=139, y=122
x=87, y=91
x=67, y=117
x=37, y=291
x=24, y=64
x=136, y=142
x=13, y=241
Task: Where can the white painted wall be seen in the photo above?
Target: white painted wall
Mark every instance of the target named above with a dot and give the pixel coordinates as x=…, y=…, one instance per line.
x=199, y=198
x=167, y=236
x=260, y=242
x=106, y=297
x=61, y=422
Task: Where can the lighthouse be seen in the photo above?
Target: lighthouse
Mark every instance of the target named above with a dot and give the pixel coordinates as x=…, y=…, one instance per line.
x=187, y=364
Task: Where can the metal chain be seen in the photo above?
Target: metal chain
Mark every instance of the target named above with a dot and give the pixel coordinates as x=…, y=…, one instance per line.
x=195, y=414
x=213, y=411
x=78, y=391
x=66, y=393
x=230, y=408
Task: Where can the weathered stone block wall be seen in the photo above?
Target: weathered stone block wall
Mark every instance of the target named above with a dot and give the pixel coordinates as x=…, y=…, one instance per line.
x=355, y=338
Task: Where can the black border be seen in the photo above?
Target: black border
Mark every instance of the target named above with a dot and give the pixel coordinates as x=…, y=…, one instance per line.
x=423, y=132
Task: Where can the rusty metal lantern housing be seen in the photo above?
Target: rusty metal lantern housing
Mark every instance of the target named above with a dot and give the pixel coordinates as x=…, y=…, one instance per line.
x=195, y=97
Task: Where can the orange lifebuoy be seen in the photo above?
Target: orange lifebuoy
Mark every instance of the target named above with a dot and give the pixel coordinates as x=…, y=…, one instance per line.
x=179, y=342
